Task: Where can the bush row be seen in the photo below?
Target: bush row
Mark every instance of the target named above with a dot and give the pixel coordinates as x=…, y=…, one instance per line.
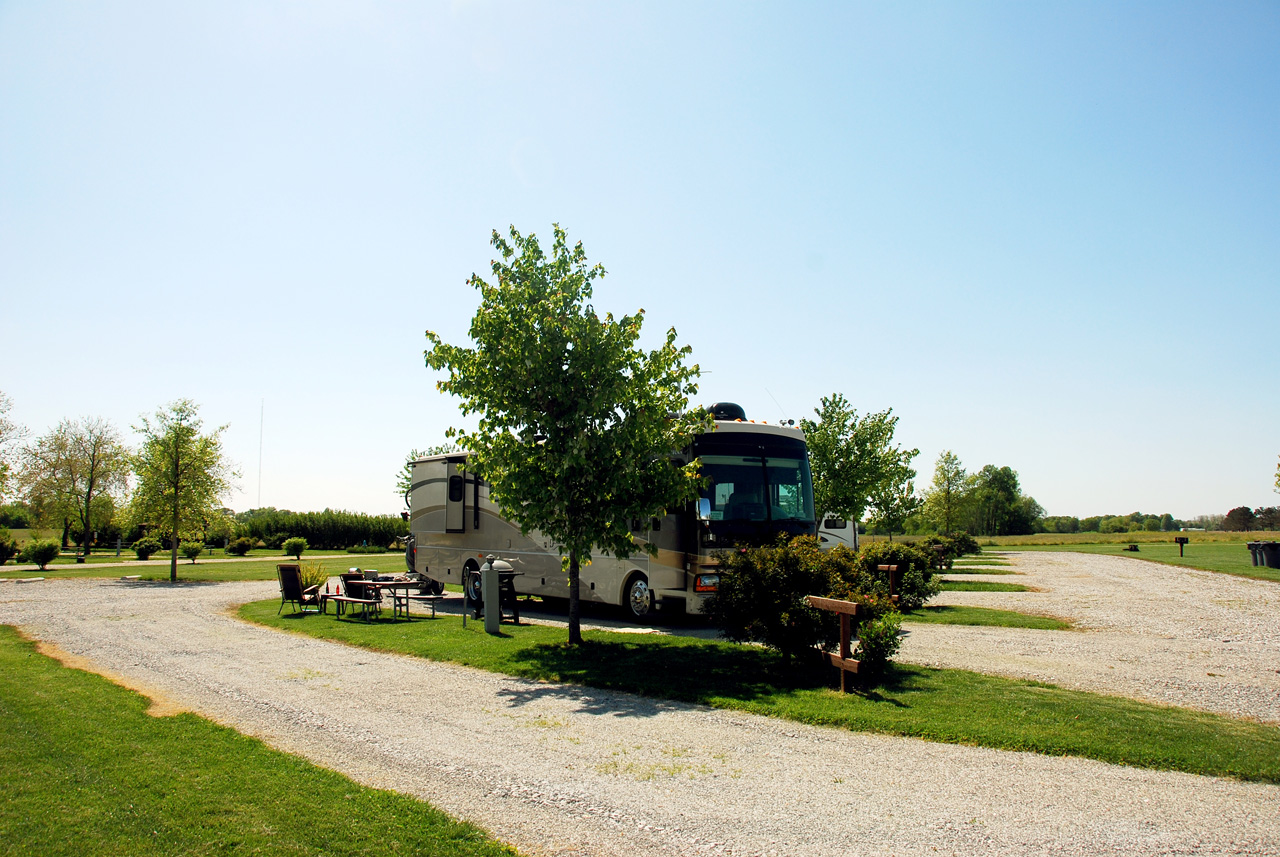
x=761, y=597
x=328, y=530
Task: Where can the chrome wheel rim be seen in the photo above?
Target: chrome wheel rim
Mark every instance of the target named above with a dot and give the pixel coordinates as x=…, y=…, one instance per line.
x=639, y=598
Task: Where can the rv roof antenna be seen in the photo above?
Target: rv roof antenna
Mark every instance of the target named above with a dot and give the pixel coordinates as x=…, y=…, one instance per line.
x=779, y=404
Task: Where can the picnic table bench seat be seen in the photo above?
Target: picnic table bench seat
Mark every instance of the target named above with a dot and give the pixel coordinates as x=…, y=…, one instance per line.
x=353, y=593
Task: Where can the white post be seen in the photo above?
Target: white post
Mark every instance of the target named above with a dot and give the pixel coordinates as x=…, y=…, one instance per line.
x=489, y=589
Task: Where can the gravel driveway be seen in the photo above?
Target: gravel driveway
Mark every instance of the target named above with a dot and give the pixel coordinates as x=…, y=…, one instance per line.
x=569, y=771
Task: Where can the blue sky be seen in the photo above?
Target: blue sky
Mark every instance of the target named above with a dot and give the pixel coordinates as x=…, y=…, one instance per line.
x=1047, y=236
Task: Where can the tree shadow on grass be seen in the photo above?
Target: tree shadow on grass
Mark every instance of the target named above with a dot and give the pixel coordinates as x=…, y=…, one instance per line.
x=673, y=669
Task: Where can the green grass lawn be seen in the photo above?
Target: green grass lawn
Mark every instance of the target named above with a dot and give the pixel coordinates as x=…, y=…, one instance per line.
x=218, y=568
x=967, y=569
x=1224, y=557
x=944, y=615
x=944, y=705
x=85, y=771
x=979, y=560
x=949, y=585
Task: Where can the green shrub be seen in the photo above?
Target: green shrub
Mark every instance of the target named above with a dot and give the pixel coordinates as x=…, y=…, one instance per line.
x=146, y=546
x=761, y=597
x=953, y=545
x=240, y=547
x=878, y=642
x=918, y=581
x=366, y=549
x=39, y=552
x=8, y=547
x=295, y=546
x=313, y=574
x=191, y=550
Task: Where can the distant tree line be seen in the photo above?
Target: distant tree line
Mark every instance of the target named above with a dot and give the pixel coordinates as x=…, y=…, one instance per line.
x=330, y=529
x=82, y=478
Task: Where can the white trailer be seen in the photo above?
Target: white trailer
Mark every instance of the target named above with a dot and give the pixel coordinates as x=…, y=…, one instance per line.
x=757, y=486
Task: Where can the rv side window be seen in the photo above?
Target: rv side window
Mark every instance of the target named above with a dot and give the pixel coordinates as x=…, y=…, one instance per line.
x=455, y=489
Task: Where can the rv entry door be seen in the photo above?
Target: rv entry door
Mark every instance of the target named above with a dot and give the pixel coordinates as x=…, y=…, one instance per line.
x=455, y=500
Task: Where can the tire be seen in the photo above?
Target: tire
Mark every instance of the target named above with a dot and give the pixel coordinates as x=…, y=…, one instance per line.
x=639, y=598
x=434, y=587
x=471, y=584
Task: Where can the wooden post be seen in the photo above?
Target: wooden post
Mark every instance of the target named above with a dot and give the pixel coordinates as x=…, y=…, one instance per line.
x=849, y=612
x=895, y=580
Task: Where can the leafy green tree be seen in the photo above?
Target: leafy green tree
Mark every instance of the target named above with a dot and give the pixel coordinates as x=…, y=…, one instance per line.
x=191, y=550
x=852, y=458
x=72, y=469
x=182, y=474
x=1239, y=519
x=11, y=435
x=894, y=502
x=1267, y=517
x=1167, y=523
x=945, y=499
x=577, y=425
x=294, y=547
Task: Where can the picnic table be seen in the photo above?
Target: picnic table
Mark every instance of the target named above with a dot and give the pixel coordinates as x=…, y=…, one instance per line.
x=400, y=600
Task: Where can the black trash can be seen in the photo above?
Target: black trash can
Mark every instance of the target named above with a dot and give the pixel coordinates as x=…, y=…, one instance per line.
x=1270, y=554
x=1255, y=552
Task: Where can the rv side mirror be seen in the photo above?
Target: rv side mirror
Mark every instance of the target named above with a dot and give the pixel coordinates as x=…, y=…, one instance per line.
x=704, y=508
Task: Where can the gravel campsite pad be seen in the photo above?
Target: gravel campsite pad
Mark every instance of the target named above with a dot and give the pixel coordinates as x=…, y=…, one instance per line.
x=563, y=770
x=1148, y=631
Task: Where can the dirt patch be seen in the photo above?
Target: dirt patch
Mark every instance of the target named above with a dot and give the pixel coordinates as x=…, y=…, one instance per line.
x=161, y=705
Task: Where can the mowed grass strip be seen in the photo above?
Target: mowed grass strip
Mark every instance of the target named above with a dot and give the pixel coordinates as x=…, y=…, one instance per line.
x=949, y=585
x=953, y=706
x=947, y=615
x=85, y=771
x=1222, y=557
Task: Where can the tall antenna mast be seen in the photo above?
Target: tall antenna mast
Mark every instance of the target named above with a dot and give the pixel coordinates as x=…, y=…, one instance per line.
x=262, y=410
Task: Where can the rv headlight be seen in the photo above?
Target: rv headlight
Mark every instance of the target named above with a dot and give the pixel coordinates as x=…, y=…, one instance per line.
x=706, y=583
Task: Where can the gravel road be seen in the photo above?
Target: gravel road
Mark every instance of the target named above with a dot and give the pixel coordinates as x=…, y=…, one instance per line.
x=1147, y=631
x=569, y=771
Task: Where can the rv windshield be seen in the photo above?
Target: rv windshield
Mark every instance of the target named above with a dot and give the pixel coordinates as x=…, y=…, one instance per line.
x=762, y=479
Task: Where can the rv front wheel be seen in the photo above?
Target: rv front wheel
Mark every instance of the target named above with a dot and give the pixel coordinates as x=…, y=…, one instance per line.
x=639, y=597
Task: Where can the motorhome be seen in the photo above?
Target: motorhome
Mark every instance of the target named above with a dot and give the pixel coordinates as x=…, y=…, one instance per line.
x=756, y=485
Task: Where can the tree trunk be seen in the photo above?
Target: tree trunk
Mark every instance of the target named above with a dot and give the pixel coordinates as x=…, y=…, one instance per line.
x=66, y=531
x=173, y=555
x=575, y=606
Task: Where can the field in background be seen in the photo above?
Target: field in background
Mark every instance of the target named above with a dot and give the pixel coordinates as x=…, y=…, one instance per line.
x=1222, y=556
x=1099, y=538
x=206, y=571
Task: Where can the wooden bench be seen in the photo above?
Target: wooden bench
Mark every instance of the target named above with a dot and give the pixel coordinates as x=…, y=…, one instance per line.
x=849, y=617
x=368, y=605
x=400, y=601
x=354, y=593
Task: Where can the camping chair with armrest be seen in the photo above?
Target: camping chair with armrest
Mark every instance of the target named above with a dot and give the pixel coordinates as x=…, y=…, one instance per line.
x=291, y=589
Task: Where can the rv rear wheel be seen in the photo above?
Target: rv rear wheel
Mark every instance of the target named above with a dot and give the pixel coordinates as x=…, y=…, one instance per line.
x=471, y=583
x=639, y=597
